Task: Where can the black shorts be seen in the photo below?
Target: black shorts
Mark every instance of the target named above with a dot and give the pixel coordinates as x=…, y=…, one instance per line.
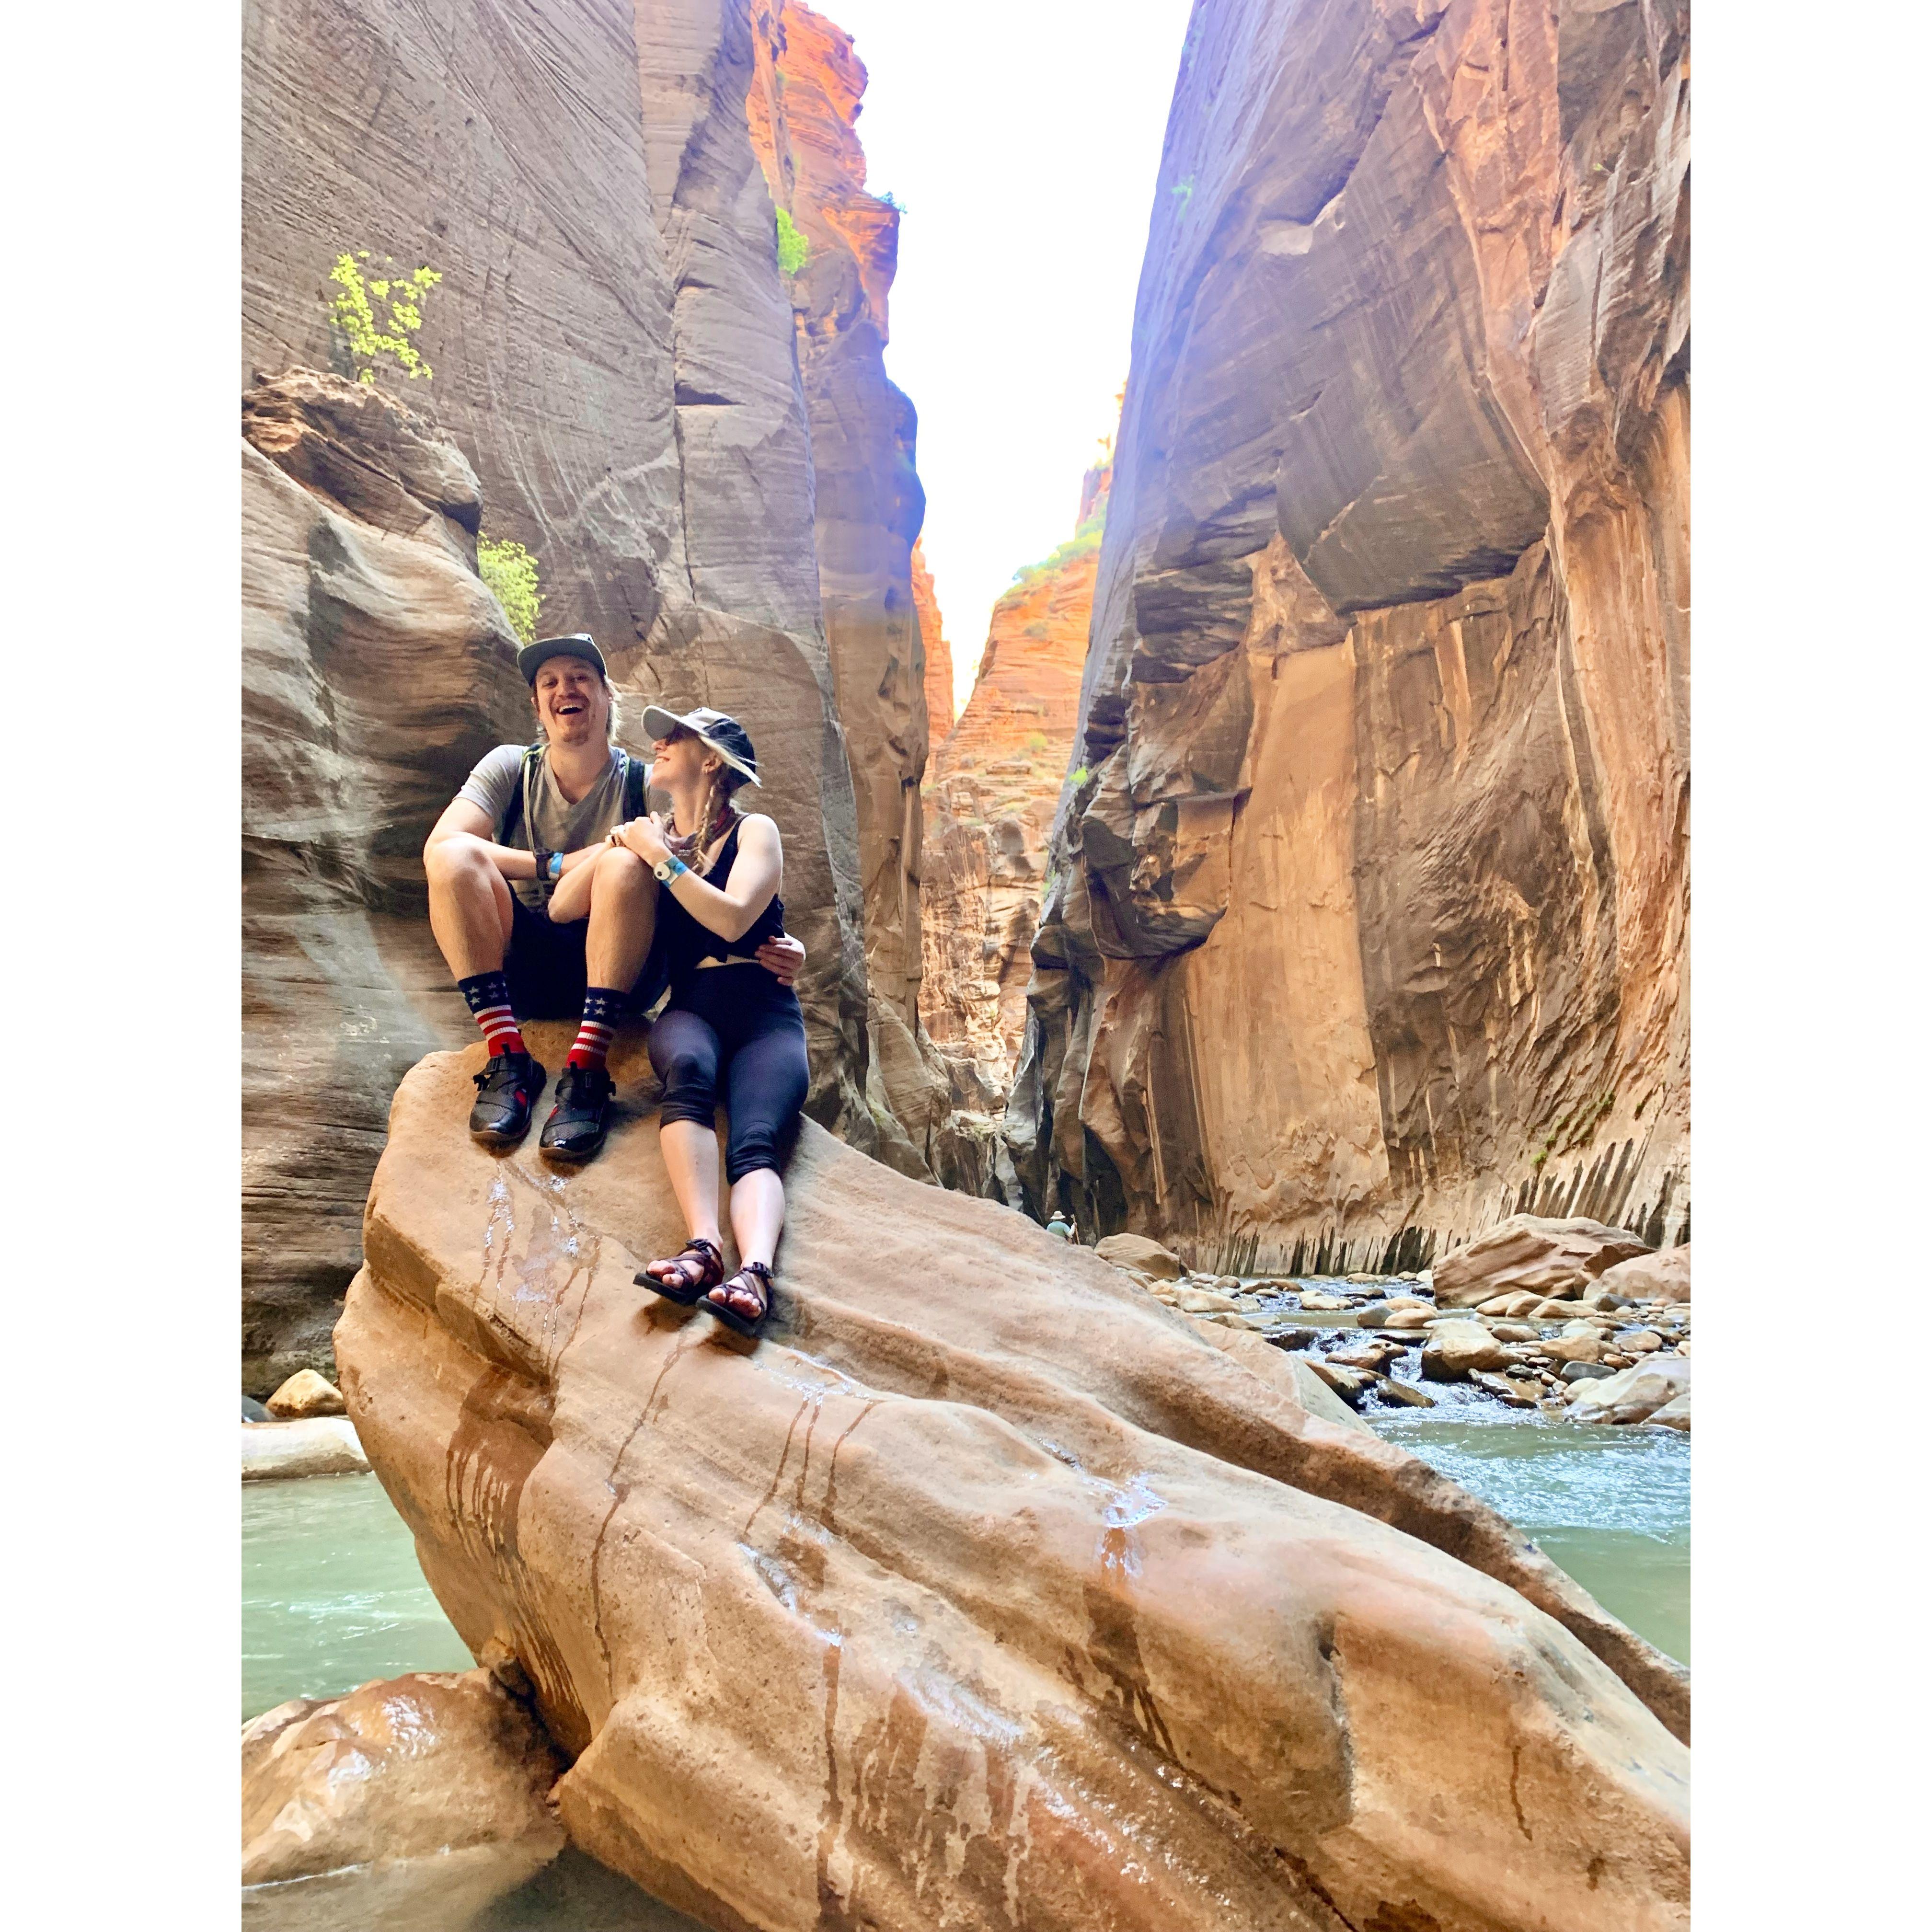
x=545, y=968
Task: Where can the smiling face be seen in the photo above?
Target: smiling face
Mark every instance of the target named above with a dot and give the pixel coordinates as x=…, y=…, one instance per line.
x=572, y=706
x=681, y=759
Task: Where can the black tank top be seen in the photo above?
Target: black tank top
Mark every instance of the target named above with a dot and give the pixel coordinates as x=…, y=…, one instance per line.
x=686, y=942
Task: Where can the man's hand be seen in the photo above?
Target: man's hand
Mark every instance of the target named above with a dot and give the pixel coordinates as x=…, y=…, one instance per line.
x=641, y=835
x=781, y=957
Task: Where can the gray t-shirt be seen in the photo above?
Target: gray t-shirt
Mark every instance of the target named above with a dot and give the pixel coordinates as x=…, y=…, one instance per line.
x=550, y=823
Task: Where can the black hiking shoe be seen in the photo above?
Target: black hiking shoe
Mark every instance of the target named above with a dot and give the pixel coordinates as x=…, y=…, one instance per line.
x=575, y=1128
x=506, y=1089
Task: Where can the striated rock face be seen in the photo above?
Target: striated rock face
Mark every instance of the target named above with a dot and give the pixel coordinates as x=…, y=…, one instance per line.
x=1368, y=925
x=939, y=713
x=376, y=668
x=983, y=1590
x=1525, y=1254
x=991, y=788
x=612, y=350
x=802, y=108
x=410, y=1802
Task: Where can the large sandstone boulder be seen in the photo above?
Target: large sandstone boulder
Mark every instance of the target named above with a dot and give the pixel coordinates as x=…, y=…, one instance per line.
x=1457, y=1350
x=1136, y=1251
x=407, y=1805
x=1369, y=911
x=983, y=1589
x=304, y=1394
x=1664, y=1276
x=1527, y=1254
x=317, y=1445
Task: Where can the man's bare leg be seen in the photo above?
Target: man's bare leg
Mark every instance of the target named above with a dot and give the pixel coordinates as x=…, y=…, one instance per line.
x=623, y=916
x=470, y=914
x=468, y=905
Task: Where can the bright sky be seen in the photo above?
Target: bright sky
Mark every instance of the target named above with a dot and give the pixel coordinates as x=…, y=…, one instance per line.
x=1022, y=137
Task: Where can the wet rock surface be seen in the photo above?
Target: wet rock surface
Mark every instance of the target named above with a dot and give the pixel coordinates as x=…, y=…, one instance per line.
x=950, y=1517
x=1368, y=919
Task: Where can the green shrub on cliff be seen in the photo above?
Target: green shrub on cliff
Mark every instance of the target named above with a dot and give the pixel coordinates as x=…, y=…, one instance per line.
x=793, y=249
x=1082, y=543
x=511, y=572
x=353, y=314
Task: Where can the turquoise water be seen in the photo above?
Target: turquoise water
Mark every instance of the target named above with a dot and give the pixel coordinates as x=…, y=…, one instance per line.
x=1611, y=1506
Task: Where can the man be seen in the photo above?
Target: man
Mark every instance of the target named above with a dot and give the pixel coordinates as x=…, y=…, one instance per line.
x=537, y=914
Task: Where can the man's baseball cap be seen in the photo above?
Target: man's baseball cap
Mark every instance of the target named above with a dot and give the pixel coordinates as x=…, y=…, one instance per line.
x=724, y=734
x=578, y=645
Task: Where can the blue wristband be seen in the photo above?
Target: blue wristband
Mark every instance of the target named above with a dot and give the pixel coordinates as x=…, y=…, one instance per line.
x=557, y=864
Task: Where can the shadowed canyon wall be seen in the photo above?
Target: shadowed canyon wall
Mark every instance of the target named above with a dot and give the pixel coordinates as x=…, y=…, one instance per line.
x=616, y=372
x=1368, y=920
x=803, y=107
x=939, y=706
x=990, y=791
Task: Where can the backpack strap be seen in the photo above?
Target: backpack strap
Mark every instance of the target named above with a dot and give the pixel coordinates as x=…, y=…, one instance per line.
x=515, y=813
x=635, y=770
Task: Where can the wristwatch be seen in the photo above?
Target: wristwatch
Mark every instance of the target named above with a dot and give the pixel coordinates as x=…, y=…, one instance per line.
x=554, y=870
x=668, y=869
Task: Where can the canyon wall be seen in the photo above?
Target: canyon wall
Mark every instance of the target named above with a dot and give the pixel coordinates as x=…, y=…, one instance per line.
x=939, y=704
x=991, y=789
x=802, y=108
x=612, y=358
x=1369, y=911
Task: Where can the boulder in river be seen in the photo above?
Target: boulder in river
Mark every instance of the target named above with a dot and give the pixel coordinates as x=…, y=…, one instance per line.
x=318, y=1445
x=1455, y=1349
x=1675, y=1414
x=1136, y=1251
x=982, y=1589
x=304, y=1394
x=1527, y=1252
x=1634, y=1394
x=410, y=1803
x=1665, y=1276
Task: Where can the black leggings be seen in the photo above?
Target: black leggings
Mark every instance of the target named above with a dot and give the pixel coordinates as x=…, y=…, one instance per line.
x=737, y=1018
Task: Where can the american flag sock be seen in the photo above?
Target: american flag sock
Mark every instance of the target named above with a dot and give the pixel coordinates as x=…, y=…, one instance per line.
x=488, y=994
x=602, y=1007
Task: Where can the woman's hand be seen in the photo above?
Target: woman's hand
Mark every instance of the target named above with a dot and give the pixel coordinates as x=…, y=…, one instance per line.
x=781, y=957
x=642, y=836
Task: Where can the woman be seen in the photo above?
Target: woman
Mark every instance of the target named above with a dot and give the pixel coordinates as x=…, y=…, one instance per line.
x=728, y=1020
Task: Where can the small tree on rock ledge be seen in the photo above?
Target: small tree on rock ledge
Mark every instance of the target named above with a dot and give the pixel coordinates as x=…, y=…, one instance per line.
x=363, y=336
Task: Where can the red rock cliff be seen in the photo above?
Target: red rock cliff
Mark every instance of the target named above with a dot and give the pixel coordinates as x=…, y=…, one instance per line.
x=991, y=788
x=939, y=704
x=1369, y=920
x=802, y=108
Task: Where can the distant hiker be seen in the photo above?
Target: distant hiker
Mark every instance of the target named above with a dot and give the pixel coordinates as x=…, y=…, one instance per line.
x=1058, y=1224
x=728, y=1025
x=537, y=914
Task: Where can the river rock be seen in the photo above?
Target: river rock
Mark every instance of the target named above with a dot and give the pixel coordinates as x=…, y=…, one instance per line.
x=1395, y=1301
x=1527, y=1253
x=1432, y=893
x=1410, y=1317
x=1665, y=1275
x=1518, y=1393
x=1674, y=1414
x=410, y=1803
x=1350, y=1384
x=1324, y=1304
x=1636, y=1341
x=252, y=1411
x=1454, y=1349
x=1136, y=1251
x=320, y=1445
x=305, y=1394
x=1206, y=1301
x=1580, y=1347
x=1635, y=1394
x=973, y=1504
x=1375, y=1355
x=1405, y=1395
x=1574, y=1371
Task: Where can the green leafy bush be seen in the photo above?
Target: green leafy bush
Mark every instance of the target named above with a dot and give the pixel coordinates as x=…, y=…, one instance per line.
x=353, y=314
x=511, y=572
x=1083, y=542
x=793, y=249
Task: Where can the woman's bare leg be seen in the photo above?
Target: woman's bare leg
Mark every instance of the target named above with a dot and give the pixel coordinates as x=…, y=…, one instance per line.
x=690, y=1159
x=757, y=1215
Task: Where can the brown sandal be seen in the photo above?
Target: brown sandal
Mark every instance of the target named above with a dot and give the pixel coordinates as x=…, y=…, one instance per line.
x=760, y=1285
x=700, y=1268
